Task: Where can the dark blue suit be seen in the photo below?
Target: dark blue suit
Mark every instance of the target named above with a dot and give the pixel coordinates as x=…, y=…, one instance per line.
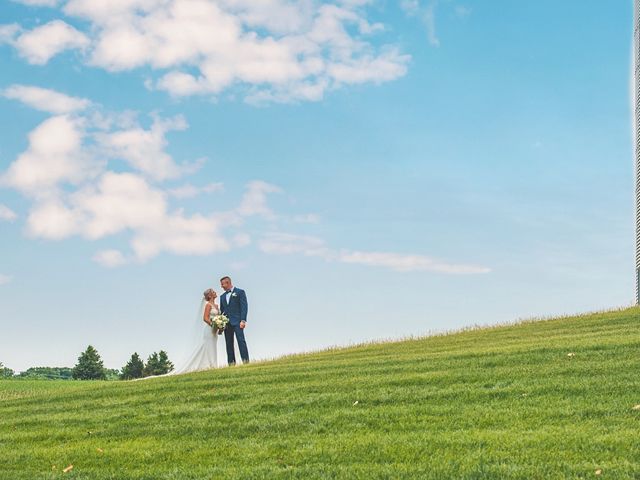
x=236, y=310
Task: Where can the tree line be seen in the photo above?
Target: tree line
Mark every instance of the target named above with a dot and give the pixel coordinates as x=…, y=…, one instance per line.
x=91, y=367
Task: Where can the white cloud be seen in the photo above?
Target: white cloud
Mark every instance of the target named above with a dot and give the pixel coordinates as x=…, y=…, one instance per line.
x=180, y=84
x=70, y=149
x=8, y=32
x=144, y=149
x=53, y=220
x=307, y=218
x=38, y=3
x=241, y=240
x=254, y=201
x=73, y=172
x=39, y=45
x=54, y=156
x=429, y=18
x=4, y=279
x=426, y=11
x=277, y=16
x=116, y=202
x=7, y=214
x=271, y=50
x=67, y=173
x=384, y=67
x=45, y=100
x=189, y=191
x=181, y=235
x=408, y=263
x=110, y=258
x=125, y=202
x=412, y=7
x=288, y=244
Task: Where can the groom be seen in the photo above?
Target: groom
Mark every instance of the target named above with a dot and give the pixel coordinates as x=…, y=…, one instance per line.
x=233, y=304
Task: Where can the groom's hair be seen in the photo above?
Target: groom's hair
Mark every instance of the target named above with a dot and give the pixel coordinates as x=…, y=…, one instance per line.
x=225, y=278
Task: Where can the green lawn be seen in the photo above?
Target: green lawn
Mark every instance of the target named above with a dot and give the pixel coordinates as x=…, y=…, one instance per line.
x=495, y=403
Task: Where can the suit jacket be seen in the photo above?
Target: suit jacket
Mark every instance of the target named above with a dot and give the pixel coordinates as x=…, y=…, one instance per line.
x=237, y=308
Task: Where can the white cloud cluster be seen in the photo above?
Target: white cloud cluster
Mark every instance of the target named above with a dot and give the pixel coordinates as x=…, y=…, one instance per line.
x=126, y=202
x=426, y=10
x=189, y=191
x=8, y=32
x=427, y=13
x=54, y=156
x=110, y=258
x=288, y=244
x=144, y=149
x=408, y=263
x=273, y=50
x=45, y=100
x=4, y=279
x=307, y=218
x=71, y=148
x=255, y=199
x=94, y=175
x=6, y=214
x=42, y=43
x=97, y=175
x=118, y=203
x=38, y=3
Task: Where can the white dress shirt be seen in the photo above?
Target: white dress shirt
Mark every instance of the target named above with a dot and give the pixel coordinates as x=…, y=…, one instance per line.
x=228, y=295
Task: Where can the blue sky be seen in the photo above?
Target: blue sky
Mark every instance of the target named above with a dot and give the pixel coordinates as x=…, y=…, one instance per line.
x=363, y=169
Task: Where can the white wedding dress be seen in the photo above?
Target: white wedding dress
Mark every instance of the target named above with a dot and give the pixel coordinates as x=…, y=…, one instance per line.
x=205, y=355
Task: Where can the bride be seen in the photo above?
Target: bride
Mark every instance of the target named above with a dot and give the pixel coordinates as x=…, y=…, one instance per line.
x=205, y=355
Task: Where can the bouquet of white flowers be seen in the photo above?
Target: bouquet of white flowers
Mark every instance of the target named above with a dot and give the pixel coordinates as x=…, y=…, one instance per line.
x=219, y=322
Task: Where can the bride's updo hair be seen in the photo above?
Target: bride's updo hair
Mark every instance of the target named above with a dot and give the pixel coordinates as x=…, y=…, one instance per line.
x=208, y=293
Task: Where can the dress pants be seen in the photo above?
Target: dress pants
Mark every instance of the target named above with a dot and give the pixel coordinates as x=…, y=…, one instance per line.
x=229, y=332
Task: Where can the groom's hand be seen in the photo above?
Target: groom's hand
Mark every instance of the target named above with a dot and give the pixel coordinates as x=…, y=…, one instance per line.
x=243, y=324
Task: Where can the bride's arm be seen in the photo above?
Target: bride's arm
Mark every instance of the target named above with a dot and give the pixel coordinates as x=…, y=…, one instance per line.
x=207, y=313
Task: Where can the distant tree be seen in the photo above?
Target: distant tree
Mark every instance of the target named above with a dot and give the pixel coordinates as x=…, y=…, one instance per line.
x=52, y=373
x=5, y=372
x=165, y=364
x=89, y=366
x=133, y=369
x=157, y=364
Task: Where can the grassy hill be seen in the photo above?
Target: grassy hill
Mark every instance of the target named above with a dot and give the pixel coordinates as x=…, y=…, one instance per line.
x=546, y=399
